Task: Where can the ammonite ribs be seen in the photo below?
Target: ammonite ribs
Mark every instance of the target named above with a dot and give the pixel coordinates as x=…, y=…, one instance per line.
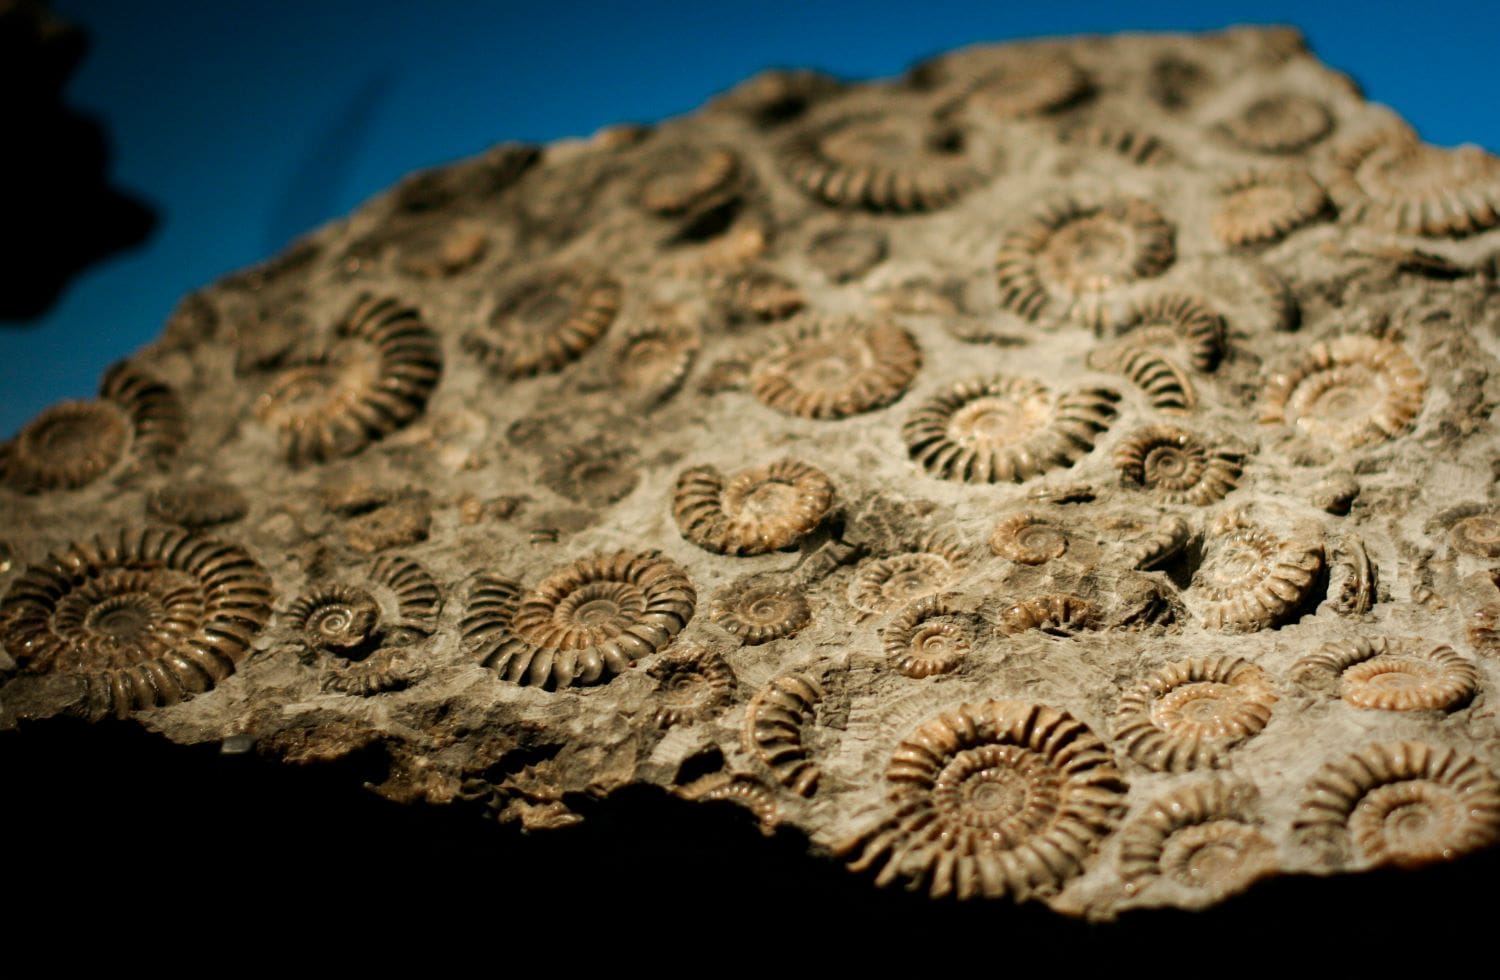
x=1060, y=473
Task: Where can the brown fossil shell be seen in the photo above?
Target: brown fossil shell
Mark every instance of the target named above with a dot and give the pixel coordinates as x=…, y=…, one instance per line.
x=929, y=637
x=1188, y=715
x=882, y=162
x=774, y=725
x=1202, y=838
x=1067, y=254
x=1478, y=535
x=1006, y=429
x=144, y=617
x=1392, y=180
x=1174, y=322
x=377, y=377
x=1266, y=205
x=831, y=369
x=1282, y=123
x=546, y=322
x=755, y=510
x=1029, y=538
x=1252, y=579
x=745, y=791
x=73, y=444
x=1402, y=803
x=1057, y=613
x=758, y=611
x=598, y=473
x=1177, y=466
x=694, y=684
x=583, y=624
x=1166, y=385
x=1160, y=545
x=935, y=563
x=652, y=361
x=1371, y=674
x=1352, y=391
x=1003, y=798
x=197, y=504
x=685, y=177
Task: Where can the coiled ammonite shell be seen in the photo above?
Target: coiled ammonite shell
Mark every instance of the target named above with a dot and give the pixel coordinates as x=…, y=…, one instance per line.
x=752, y=511
x=143, y=617
x=830, y=369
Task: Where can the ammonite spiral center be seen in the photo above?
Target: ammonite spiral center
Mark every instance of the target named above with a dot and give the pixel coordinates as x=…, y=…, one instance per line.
x=766, y=607
x=768, y=499
x=1088, y=254
x=601, y=609
x=912, y=577
x=1413, y=820
x=1345, y=394
x=938, y=639
x=1214, y=855
x=1172, y=467
x=1391, y=675
x=822, y=367
x=1478, y=536
x=1204, y=709
x=865, y=143
x=125, y=619
x=998, y=421
x=543, y=310
x=1239, y=563
x=1003, y=792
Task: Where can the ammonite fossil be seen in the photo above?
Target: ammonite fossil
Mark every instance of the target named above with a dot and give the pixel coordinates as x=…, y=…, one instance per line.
x=830, y=369
x=752, y=511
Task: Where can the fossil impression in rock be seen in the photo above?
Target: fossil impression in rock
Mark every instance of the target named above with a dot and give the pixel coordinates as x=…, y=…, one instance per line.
x=1062, y=473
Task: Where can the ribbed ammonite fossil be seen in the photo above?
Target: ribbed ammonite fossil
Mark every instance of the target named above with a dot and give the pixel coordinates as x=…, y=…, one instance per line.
x=1061, y=473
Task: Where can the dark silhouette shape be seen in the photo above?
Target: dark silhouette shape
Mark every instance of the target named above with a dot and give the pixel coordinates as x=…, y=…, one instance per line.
x=61, y=215
x=315, y=192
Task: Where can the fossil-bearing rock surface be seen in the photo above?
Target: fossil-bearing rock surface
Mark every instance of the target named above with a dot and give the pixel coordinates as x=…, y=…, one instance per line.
x=1063, y=473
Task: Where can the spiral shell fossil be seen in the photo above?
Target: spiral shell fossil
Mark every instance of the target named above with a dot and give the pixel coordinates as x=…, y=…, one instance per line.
x=1202, y=838
x=694, y=684
x=684, y=177
x=146, y=617
x=935, y=562
x=1188, y=715
x=1352, y=391
x=1392, y=180
x=1068, y=254
x=997, y=799
x=1373, y=674
x=774, y=725
x=1029, y=539
x=1172, y=322
x=755, y=510
x=197, y=504
x=1403, y=803
x=545, y=322
x=377, y=377
x=831, y=369
x=583, y=624
x=1006, y=429
x=929, y=637
x=1252, y=579
x=881, y=162
x=1477, y=535
x=760, y=611
x=1282, y=123
x=1176, y=465
x=1265, y=206
x=73, y=444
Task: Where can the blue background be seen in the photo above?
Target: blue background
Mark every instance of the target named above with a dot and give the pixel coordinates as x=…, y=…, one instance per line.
x=246, y=122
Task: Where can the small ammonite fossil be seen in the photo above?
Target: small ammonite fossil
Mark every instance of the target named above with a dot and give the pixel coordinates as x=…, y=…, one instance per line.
x=1477, y=535
x=1006, y=429
x=546, y=321
x=753, y=511
x=197, y=503
x=1029, y=538
x=822, y=368
x=1351, y=391
x=652, y=361
x=759, y=610
x=1162, y=543
x=1202, y=838
x=1260, y=206
x=1002, y=798
x=882, y=162
x=694, y=683
x=1405, y=676
x=1252, y=579
x=1177, y=466
x=1188, y=714
x=686, y=177
x=1054, y=613
x=582, y=624
x=745, y=791
x=1390, y=179
x=1166, y=384
x=340, y=619
x=74, y=443
x=145, y=617
x=1067, y=255
x=774, y=724
x=1024, y=83
x=1173, y=323
x=930, y=636
x=375, y=379
x=846, y=254
x=1402, y=803
x=596, y=473
x=935, y=562
x=1282, y=123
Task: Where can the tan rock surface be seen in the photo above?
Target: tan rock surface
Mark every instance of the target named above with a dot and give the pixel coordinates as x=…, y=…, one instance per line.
x=1063, y=473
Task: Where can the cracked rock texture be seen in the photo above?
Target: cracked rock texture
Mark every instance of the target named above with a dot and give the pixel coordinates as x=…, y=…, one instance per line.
x=1063, y=473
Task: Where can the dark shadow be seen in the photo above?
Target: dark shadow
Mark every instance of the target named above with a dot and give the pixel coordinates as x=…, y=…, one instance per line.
x=120, y=828
x=316, y=191
x=60, y=213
